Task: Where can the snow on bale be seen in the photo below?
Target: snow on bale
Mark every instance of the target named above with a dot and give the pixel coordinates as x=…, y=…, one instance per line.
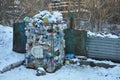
x=45, y=41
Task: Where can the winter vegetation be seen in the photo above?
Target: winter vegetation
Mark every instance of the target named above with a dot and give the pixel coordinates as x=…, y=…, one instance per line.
x=94, y=15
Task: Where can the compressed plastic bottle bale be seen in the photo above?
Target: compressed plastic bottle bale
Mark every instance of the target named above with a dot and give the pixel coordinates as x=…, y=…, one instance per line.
x=51, y=39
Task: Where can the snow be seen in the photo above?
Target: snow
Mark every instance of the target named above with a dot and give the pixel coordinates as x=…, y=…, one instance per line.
x=7, y=56
x=103, y=35
x=105, y=61
x=67, y=72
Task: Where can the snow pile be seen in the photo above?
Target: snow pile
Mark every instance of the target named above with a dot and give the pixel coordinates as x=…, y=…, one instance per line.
x=103, y=35
x=7, y=56
x=5, y=37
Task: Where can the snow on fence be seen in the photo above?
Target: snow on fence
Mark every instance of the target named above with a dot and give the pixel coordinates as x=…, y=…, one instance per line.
x=103, y=48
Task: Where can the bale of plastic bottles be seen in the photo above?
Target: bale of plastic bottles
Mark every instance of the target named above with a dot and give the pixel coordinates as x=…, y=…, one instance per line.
x=45, y=41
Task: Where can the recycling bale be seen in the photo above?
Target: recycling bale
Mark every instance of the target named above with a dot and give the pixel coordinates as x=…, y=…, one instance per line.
x=19, y=38
x=45, y=41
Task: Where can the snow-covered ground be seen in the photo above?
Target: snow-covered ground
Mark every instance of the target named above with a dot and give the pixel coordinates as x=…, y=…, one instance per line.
x=7, y=56
x=67, y=72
